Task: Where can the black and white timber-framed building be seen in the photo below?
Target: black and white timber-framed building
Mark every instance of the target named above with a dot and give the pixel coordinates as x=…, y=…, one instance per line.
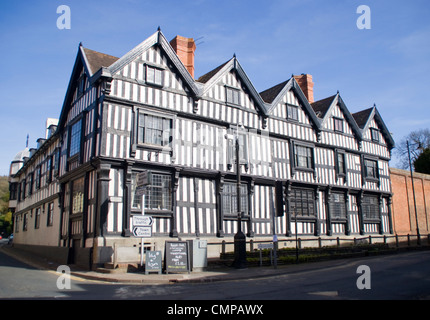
x=311, y=161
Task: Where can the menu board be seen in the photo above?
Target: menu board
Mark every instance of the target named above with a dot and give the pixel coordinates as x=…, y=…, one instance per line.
x=177, y=257
x=153, y=262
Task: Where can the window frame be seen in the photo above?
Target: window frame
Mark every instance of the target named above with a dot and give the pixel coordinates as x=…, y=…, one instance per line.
x=56, y=155
x=370, y=211
x=375, y=168
x=341, y=166
x=81, y=85
x=293, y=116
x=234, y=98
x=13, y=191
x=77, y=204
x=338, y=125
x=25, y=222
x=338, y=206
x=310, y=157
x=22, y=190
x=38, y=178
x=50, y=215
x=37, y=216
x=374, y=135
x=152, y=80
x=49, y=169
x=229, y=199
x=30, y=184
x=293, y=200
x=75, y=139
x=151, y=191
x=240, y=132
x=143, y=140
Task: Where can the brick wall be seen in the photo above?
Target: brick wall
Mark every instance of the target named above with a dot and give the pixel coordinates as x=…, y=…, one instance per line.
x=403, y=211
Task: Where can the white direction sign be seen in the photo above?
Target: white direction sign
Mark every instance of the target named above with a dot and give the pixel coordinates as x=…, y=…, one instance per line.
x=142, y=221
x=140, y=191
x=142, y=179
x=142, y=232
x=265, y=246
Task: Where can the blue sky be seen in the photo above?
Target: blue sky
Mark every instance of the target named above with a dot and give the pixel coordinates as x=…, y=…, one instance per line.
x=387, y=65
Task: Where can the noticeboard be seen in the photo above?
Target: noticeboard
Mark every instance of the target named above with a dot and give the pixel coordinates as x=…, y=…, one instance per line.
x=153, y=262
x=177, y=257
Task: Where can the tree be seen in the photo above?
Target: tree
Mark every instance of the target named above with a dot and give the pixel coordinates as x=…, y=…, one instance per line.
x=422, y=163
x=5, y=215
x=419, y=140
x=6, y=223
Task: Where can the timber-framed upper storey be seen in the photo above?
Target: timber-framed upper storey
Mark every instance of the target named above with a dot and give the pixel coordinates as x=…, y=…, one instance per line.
x=306, y=164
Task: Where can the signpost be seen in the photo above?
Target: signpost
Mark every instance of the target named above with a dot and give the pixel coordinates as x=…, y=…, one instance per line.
x=272, y=248
x=142, y=225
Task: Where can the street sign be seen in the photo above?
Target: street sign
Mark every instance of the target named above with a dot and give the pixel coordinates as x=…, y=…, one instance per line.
x=142, y=221
x=140, y=191
x=143, y=179
x=265, y=246
x=142, y=232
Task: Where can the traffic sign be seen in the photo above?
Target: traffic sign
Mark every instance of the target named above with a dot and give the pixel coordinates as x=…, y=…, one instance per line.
x=142, y=232
x=143, y=178
x=140, y=191
x=142, y=221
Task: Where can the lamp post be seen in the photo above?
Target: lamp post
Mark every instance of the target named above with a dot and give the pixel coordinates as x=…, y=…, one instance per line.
x=413, y=193
x=239, y=237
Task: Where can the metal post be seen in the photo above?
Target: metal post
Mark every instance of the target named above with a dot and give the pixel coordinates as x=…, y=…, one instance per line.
x=141, y=239
x=413, y=193
x=239, y=238
x=297, y=241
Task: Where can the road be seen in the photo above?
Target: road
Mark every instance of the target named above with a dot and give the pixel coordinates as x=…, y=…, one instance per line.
x=394, y=277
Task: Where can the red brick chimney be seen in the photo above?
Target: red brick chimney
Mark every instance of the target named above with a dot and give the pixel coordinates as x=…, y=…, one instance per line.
x=306, y=84
x=185, y=48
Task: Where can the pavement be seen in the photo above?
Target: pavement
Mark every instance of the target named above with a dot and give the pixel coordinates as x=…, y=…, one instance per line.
x=210, y=274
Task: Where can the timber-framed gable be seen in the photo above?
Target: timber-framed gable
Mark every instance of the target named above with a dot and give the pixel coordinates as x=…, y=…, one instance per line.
x=309, y=168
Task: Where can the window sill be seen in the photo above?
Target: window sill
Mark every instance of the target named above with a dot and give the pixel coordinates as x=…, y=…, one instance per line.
x=155, y=85
x=230, y=216
x=371, y=179
x=339, y=220
x=153, y=147
x=304, y=218
x=371, y=220
x=153, y=213
x=303, y=169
